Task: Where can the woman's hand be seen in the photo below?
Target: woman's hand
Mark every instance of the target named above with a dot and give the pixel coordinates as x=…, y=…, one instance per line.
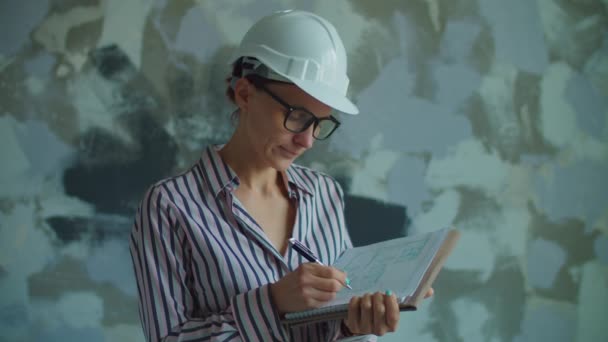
x=376, y=313
x=309, y=286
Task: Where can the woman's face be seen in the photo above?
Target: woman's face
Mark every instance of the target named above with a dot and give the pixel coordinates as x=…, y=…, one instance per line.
x=263, y=122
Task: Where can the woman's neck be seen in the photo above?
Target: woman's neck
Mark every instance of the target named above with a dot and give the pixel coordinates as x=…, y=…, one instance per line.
x=254, y=175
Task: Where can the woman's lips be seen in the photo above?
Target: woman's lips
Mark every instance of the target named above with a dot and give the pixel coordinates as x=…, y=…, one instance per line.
x=288, y=152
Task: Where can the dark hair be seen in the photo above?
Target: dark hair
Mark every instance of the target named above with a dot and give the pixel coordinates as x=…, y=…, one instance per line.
x=237, y=71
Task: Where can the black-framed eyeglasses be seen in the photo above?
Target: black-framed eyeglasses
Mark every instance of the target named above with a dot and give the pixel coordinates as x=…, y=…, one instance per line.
x=299, y=119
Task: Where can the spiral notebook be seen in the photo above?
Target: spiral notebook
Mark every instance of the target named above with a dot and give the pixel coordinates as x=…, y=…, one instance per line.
x=407, y=266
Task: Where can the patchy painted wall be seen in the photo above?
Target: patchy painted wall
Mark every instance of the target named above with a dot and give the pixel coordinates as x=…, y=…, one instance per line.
x=490, y=115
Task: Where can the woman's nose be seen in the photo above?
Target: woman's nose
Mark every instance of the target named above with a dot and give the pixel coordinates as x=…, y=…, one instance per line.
x=305, y=139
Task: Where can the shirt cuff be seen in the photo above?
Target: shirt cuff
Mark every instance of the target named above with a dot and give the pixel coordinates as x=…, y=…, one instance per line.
x=256, y=317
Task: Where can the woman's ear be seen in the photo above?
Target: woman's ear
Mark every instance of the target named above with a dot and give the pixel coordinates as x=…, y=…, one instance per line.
x=242, y=92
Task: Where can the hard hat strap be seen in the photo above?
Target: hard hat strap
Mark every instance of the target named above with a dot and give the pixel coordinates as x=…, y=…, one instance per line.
x=252, y=65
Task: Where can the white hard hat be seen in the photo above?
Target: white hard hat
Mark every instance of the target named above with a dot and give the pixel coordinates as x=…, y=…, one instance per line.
x=302, y=48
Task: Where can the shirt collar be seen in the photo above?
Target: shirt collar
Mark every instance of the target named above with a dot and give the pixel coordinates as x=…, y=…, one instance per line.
x=221, y=177
x=296, y=176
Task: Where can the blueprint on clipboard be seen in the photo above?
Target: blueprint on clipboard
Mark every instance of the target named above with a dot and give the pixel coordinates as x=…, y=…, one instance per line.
x=407, y=266
x=396, y=265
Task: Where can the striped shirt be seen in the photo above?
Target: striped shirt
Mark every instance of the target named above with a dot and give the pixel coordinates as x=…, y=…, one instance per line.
x=203, y=265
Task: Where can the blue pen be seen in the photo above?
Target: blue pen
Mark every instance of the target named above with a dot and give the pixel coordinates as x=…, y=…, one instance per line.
x=309, y=255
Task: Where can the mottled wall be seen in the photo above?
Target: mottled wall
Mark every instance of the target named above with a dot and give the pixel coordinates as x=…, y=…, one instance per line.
x=491, y=115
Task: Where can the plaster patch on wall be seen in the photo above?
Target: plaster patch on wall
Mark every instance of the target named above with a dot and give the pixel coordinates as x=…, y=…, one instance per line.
x=593, y=303
x=52, y=32
x=455, y=83
x=405, y=120
x=497, y=95
x=571, y=35
x=47, y=161
x=223, y=15
x=561, y=198
x=434, y=12
x=406, y=184
x=80, y=309
x=76, y=250
x=40, y=65
x=544, y=261
x=457, y=40
x=17, y=20
x=18, y=231
x=192, y=130
x=471, y=165
x=123, y=25
x=196, y=30
x=591, y=107
x=440, y=215
x=417, y=325
x=123, y=332
x=475, y=251
x=5, y=61
x=596, y=69
x=512, y=230
x=24, y=250
x=10, y=150
x=520, y=179
x=107, y=264
x=468, y=325
x=518, y=35
x=35, y=85
x=62, y=71
x=57, y=203
x=350, y=25
x=507, y=228
x=454, y=78
x=96, y=100
x=561, y=88
x=558, y=121
x=14, y=320
x=601, y=224
x=547, y=321
x=370, y=180
x=34, y=169
x=600, y=246
x=67, y=333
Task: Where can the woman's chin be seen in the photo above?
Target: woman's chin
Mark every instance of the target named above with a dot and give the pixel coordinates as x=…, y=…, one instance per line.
x=283, y=159
x=282, y=164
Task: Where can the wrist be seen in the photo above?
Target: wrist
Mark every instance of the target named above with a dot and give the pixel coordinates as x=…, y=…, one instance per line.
x=273, y=298
x=345, y=330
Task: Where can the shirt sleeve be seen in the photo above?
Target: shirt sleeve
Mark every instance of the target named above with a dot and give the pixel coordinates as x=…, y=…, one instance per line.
x=337, y=197
x=167, y=304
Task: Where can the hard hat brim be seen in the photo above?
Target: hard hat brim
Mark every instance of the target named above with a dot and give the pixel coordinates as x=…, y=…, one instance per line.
x=327, y=95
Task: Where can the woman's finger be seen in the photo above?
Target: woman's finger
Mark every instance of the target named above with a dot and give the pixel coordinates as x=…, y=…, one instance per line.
x=327, y=278
x=429, y=293
x=353, y=317
x=317, y=295
x=367, y=316
x=392, y=311
x=379, y=311
x=318, y=277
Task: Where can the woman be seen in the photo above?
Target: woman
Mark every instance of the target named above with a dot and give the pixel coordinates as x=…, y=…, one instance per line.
x=209, y=246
